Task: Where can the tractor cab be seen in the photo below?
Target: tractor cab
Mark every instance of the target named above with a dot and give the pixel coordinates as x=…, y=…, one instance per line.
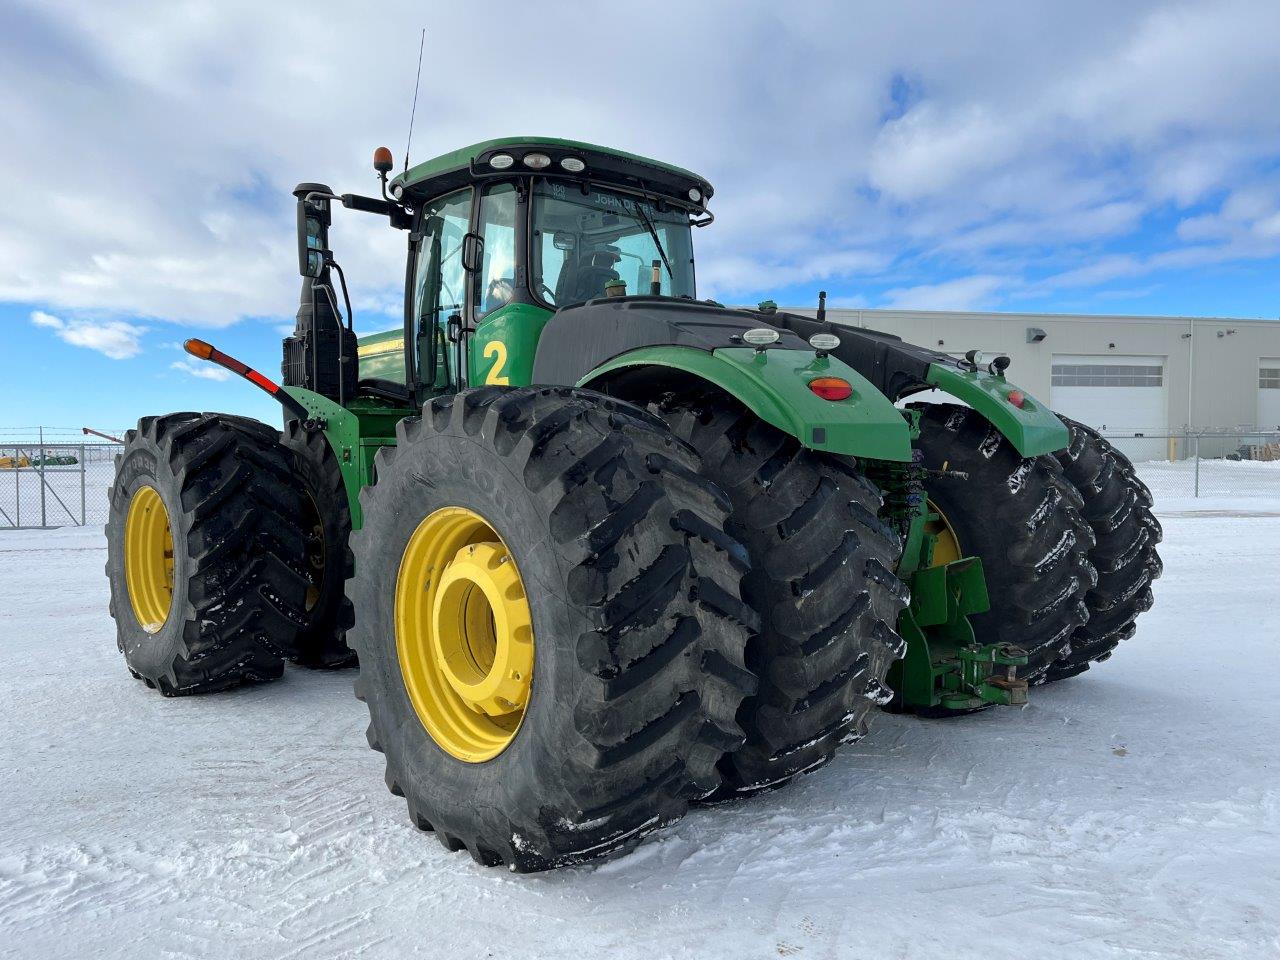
x=501, y=235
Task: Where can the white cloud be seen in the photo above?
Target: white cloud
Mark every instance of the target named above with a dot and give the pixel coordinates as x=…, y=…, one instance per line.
x=1101, y=270
x=930, y=150
x=205, y=371
x=113, y=338
x=964, y=293
x=170, y=139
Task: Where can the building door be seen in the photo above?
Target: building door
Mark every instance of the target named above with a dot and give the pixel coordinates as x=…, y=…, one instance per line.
x=1269, y=393
x=1122, y=397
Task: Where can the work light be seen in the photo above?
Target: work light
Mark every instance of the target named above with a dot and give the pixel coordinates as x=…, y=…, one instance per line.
x=761, y=336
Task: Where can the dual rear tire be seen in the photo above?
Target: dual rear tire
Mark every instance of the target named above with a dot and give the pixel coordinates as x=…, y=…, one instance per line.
x=1067, y=541
x=821, y=581
x=1118, y=508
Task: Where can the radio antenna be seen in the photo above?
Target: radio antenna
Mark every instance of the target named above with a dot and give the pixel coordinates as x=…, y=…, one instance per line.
x=421, y=43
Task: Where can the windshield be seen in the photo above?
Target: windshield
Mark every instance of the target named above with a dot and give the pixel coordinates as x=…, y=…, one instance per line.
x=583, y=241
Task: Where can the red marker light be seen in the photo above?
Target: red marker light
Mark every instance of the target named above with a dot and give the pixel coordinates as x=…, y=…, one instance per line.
x=1017, y=398
x=831, y=388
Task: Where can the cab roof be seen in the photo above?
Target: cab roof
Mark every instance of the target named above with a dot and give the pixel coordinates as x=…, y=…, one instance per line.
x=600, y=165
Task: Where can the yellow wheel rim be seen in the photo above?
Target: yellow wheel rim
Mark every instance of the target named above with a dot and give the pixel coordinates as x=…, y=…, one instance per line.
x=464, y=634
x=148, y=559
x=946, y=545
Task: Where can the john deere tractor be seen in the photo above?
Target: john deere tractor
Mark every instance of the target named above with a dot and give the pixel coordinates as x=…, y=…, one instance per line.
x=604, y=549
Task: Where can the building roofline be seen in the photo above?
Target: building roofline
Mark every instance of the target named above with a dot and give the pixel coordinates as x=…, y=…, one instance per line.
x=1020, y=315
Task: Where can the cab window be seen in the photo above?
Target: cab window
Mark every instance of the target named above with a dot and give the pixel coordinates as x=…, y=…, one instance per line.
x=584, y=241
x=439, y=280
x=498, y=228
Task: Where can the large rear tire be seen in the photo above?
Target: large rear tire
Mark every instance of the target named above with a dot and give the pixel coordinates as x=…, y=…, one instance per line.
x=821, y=580
x=1118, y=507
x=1023, y=519
x=326, y=518
x=204, y=553
x=625, y=585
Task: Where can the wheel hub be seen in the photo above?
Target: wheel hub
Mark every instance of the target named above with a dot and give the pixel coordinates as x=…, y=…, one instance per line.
x=148, y=559
x=464, y=634
x=482, y=632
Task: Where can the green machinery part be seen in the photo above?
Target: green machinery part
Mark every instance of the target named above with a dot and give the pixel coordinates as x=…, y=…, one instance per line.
x=355, y=433
x=945, y=669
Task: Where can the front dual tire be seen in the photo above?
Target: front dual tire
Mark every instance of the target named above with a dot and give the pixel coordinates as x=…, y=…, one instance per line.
x=204, y=544
x=592, y=528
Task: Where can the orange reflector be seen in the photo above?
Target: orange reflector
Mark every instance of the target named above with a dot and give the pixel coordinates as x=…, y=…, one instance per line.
x=198, y=348
x=831, y=388
x=1017, y=398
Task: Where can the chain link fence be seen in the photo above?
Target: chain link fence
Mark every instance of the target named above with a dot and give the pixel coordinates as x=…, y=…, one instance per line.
x=1206, y=464
x=55, y=484
x=60, y=484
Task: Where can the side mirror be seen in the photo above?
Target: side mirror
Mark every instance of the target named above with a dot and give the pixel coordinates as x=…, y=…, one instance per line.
x=314, y=217
x=472, y=252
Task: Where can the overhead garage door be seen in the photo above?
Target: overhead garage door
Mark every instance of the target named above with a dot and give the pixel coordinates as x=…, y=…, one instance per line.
x=1269, y=393
x=1122, y=396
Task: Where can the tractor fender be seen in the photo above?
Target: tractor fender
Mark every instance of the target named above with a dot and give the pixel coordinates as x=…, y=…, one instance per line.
x=898, y=369
x=774, y=384
x=1032, y=428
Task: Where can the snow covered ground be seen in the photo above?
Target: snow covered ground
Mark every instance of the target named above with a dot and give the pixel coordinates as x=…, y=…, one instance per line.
x=1130, y=813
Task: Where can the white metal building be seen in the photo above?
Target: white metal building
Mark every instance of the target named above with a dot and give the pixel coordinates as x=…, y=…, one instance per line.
x=1150, y=376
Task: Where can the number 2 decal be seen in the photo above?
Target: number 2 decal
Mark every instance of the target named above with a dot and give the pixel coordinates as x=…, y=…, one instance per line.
x=496, y=348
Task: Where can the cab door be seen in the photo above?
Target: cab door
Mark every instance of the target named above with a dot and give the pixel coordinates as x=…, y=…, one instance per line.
x=439, y=290
x=505, y=325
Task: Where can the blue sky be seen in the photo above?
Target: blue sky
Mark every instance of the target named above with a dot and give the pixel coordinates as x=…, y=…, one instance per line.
x=1088, y=157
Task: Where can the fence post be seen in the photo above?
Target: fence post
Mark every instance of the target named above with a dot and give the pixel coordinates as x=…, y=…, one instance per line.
x=84, y=468
x=1197, y=466
x=44, y=517
x=17, y=485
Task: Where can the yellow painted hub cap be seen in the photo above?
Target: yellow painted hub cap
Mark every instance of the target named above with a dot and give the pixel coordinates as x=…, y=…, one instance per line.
x=464, y=634
x=946, y=545
x=148, y=559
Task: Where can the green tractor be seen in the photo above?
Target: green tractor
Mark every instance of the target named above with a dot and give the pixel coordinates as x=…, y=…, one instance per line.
x=603, y=549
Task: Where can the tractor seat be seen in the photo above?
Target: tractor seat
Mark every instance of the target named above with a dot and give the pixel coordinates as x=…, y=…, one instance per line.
x=587, y=278
x=590, y=282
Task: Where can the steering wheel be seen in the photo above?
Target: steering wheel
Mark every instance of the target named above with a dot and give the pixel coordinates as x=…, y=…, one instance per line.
x=547, y=293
